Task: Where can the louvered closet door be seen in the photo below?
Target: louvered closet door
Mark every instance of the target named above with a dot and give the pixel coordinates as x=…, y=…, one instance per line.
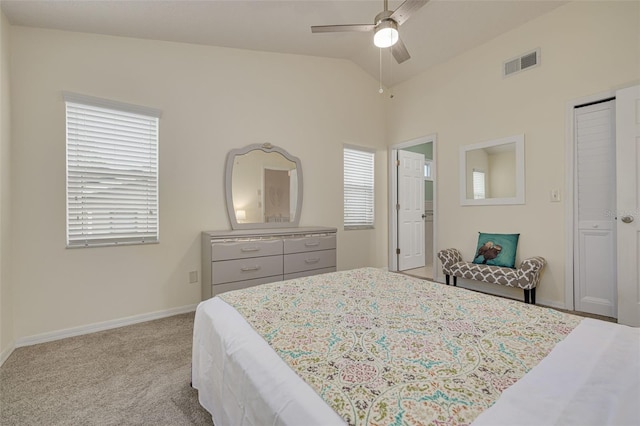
x=595, y=246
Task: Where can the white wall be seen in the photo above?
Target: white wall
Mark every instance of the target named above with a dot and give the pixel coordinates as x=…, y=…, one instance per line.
x=6, y=297
x=586, y=48
x=213, y=100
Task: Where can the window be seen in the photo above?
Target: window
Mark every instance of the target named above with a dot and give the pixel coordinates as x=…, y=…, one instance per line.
x=428, y=169
x=112, y=172
x=478, y=185
x=358, y=188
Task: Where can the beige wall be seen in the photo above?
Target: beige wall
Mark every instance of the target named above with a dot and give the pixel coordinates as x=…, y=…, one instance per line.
x=6, y=298
x=586, y=48
x=502, y=179
x=216, y=99
x=213, y=100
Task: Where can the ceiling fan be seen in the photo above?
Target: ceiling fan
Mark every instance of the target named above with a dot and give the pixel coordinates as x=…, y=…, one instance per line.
x=385, y=27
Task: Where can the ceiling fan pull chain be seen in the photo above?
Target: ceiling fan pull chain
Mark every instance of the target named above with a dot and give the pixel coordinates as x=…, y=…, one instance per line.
x=380, y=90
x=390, y=76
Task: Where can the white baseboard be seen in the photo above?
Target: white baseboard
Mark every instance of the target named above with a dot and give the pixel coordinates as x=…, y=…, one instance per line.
x=4, y=355
x=550, y=304
x=101, y=326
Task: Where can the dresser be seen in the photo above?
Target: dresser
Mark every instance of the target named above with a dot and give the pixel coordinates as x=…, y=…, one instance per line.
x=241, y=258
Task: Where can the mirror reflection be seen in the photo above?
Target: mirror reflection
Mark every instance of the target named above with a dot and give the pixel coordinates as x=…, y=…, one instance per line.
x=493, y=172
x=264, y=187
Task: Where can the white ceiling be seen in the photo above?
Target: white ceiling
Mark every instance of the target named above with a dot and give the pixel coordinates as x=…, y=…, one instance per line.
x=438, y=31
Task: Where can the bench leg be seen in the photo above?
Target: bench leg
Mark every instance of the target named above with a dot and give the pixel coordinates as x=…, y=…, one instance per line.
x=530, y=296
x=446, y=277
x=455, y=281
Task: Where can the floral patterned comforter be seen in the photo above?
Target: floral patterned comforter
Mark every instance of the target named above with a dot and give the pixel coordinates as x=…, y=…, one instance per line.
x=386, y=349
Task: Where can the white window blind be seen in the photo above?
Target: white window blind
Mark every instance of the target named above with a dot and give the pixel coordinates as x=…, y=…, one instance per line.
x=479, y=192
x=112, y=172
x=358, y=188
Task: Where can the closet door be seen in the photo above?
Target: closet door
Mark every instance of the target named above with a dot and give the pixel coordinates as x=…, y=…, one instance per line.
x=595, y=228
x=628, y=231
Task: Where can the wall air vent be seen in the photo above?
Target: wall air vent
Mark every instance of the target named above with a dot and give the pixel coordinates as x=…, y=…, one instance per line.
x=521, y=63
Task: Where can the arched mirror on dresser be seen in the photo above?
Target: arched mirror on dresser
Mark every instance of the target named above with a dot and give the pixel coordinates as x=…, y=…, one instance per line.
x=263, y=187
x=263, y=192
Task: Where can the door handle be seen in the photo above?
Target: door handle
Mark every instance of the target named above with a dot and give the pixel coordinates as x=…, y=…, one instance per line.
x=627, y=219
x=249, y=249
x=250, y=268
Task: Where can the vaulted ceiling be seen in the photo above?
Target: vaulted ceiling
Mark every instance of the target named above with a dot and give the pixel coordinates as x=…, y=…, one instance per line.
x=437, y=32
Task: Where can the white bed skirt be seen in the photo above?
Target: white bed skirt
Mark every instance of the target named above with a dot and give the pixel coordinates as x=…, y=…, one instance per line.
x=242, y=381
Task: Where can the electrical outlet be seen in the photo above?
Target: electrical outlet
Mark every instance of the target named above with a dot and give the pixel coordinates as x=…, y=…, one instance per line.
x=555, y=195
x=193, y=277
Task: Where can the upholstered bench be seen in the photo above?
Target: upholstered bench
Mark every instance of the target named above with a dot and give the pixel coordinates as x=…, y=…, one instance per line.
x=526, y=277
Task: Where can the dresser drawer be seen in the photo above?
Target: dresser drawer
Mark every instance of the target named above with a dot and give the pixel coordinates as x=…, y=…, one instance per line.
x=245, y=269
x=309, y=273
x=298, y=245
x=222, y=288
x=245, y=249
x=298, y=262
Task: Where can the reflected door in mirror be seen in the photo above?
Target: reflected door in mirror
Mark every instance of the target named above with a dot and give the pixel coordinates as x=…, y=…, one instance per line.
x=276, y=195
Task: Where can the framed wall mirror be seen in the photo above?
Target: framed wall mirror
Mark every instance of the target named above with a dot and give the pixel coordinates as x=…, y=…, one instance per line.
x=263, y=187
x=492, y=173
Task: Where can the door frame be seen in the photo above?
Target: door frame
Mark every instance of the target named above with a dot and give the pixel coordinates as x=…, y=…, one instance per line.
x=569, y=302
x=393, y=200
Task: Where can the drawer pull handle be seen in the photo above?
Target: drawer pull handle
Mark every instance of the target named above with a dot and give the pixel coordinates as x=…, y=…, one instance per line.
x=248, y=249
x=312, y=260
x=312, y=244
x=250, y=268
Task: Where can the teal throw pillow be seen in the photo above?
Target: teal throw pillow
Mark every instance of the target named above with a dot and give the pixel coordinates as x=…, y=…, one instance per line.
x=497, y=249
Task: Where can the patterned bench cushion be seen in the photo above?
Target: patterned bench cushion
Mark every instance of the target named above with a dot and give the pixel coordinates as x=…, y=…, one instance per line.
x=526, y=276
x=486, y=273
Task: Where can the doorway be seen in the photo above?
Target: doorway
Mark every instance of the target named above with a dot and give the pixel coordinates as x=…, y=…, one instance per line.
x=413, y=230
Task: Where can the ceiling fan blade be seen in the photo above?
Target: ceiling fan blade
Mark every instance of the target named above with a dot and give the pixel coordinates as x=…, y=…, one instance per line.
x=342, y=28
x=406, y=9
x=400, y=52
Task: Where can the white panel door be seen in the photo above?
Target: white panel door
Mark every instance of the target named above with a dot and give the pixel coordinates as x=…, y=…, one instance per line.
x=411, y=212
x=595, y=255
x=628, y=188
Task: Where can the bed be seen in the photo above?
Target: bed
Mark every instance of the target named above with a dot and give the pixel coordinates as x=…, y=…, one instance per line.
x=369, y=347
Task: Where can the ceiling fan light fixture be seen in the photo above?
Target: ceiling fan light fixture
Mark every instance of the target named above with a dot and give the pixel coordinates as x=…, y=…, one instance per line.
x=386, y=34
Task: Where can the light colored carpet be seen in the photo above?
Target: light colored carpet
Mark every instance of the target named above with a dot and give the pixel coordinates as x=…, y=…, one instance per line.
x=133, y=375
